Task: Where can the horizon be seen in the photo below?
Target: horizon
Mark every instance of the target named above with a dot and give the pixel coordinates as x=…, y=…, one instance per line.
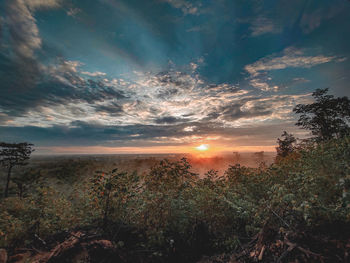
x=213, y=155
x=144, y=151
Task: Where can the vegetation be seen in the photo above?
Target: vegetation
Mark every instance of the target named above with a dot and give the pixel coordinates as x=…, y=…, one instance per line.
x=11, y=155
x=171, y=214
x=327, y=117
x=286, y=146
x=295, y=210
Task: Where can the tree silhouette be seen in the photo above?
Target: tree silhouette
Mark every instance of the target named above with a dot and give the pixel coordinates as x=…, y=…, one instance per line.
x=286, y=145
x=328, y=117
x=259, y=157
x=11, y=155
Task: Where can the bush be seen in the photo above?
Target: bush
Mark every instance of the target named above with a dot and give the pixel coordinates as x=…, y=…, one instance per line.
x=180, y=215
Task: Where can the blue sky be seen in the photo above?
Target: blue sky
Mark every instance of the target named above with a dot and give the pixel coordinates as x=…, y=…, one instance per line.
x=163, y=75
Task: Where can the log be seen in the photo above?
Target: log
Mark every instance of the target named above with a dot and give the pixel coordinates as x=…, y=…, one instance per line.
x=3, y=256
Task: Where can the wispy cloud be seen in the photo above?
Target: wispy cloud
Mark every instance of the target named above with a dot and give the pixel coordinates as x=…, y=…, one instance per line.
x=263, y=25
x=194, y=29
x=289, y=58
x=187, y=7
x=263, y=85
x=44, y=4
x=312, y=19
x=73, y=11
x=94, y=74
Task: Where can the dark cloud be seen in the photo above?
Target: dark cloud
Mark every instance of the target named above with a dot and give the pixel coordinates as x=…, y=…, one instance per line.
x=175, y=78
x=82, y=133
x=167, y=93
x=27, y=84
x=17, y=74
x=234, y=112
x=113, y=108
x=169, y=120
x=29, y=89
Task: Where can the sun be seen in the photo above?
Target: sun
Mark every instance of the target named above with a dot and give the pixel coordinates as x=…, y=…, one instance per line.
x=203, y=147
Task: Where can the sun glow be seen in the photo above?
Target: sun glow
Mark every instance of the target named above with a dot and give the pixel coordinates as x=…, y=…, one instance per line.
x=203, y=147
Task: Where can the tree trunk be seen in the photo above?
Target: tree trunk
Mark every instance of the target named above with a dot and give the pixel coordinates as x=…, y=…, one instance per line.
x=20, y=190
x=6, y=193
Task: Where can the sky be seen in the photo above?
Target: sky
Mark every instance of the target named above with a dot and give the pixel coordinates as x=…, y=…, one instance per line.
x=161, y=76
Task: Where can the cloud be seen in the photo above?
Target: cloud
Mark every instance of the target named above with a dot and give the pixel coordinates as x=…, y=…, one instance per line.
x=263, y=85
x=189, y=128
x=80, y=133
x=171, y=107
x=94, y=74
x=22, y=26
x=256, y=109
x=233, y=112
x=42, y=4
x=45, y=96
x=312, y=19
x=194, y=29
x=56, y=85
x=168, y=97
x=169, y=120
x=19, y=67
x=112, y=108
x=291, y=58
x=262, y=25
x=186, y=7
x=73, y=11
x=23, y=30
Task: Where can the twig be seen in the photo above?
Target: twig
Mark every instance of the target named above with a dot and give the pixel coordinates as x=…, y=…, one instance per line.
x=279, y=217
x=308, y=252
x=261, y=253
x=285, y=253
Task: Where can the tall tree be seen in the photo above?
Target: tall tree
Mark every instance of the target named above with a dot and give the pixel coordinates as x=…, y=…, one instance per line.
x=11, y=155
x=328, y=117
x=286, y=144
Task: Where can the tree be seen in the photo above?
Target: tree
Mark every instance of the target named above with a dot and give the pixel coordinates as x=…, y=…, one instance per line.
x=170, y=175
x=11, y=155
x=328, y=117
x=286, y=145
x=259, y=157
x=24, y=179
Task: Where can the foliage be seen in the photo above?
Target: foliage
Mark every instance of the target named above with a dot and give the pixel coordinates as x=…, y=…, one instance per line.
x=39, y=215
x=11, y=155
x=178, y=216
x=111, y=192
x=328, y=117
x=286, y=145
